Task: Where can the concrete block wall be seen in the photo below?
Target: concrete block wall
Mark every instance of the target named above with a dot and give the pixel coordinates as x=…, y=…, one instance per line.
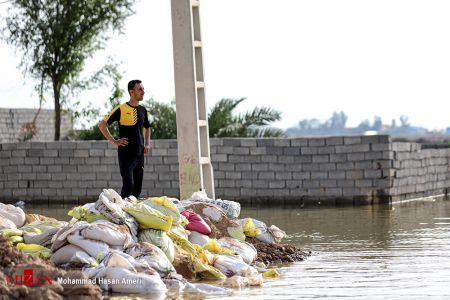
x=419, y=172
x=330, y=170
x=13, y=121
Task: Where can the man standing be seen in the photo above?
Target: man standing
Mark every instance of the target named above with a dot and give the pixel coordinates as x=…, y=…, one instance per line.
x=133, y=143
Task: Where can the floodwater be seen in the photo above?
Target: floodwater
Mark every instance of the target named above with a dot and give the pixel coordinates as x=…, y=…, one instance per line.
x=400, y=251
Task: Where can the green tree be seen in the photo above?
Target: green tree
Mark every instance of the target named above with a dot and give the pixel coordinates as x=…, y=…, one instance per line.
x=256, y=123
x=57, y=36
x=162, y=118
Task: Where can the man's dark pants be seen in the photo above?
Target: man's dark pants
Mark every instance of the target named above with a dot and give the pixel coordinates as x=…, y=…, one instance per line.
x=132, y=171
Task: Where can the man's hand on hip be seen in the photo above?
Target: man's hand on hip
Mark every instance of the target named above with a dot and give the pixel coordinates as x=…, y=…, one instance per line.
x=121, y=142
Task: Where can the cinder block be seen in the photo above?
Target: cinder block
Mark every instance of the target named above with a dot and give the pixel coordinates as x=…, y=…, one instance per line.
x=291, y=151
x=233, y=175
x=281, y=142
x=310, y=167
x=217, y=158
x=283, y=175
x=309, y=150
x=269, y=158
x=243, y=183
x=299, y=142
x=335, y=140
x=336, y=174
x=266, y=175
x=355, y=156
x=301, y=175
x=243, y=167
x=258, y=151
x=96, y=152
x=310, y=184
x=225, y=150
x=260, y=167
x=274, y=150
x=81, y=153
x=316, y=142
x=18, y=153
x=320, y=159
x=286, y=159
x=319, y=175
x=326, y=150
x=354, y=175
x=279, y=184
x=265, y=142
x=329, y=183
x=234, y=142
x=327, y=167
x=380, y=147
x=353, y=148
x=352, y=140
x=249, y=175
x=248, y=142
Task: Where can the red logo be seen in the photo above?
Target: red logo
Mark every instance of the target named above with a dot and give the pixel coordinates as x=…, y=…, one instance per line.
x=29, y=279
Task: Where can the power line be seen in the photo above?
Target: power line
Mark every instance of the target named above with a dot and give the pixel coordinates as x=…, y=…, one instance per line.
x=3, y=2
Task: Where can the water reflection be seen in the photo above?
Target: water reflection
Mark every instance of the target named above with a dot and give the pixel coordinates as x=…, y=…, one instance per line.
x=370, y=252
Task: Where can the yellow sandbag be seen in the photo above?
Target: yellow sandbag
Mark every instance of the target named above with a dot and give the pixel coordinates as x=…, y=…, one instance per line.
x=83, y=214
x=14, y=239
x=272, y=273
x=11, y=232
x=35, y=250
x=148, y=217
x=250, y=229
x=236, y=232
x=164, y=205
x=206, y=271
x=214, y=247
x=199, y=258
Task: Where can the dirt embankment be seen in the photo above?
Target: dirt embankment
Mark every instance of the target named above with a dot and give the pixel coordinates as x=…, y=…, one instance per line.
x=25, y=277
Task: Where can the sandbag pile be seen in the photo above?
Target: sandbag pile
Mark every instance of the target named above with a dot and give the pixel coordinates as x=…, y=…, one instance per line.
x=154, y=242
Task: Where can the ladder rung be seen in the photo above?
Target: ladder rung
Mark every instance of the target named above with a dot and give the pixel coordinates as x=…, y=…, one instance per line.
x=197, y=44
x=200, y=84
x=195, y=3
x=204, y=160
x=202, y=123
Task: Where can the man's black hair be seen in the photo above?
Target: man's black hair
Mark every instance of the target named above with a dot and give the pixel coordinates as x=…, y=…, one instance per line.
x=132, y=83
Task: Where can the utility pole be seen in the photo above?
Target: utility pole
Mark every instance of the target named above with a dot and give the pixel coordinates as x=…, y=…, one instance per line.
x=195, y=169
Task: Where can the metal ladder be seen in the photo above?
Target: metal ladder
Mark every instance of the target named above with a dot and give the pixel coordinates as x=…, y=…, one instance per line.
x=195, y=169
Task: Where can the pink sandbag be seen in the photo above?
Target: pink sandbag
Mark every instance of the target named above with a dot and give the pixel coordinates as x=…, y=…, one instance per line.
x=196, y=223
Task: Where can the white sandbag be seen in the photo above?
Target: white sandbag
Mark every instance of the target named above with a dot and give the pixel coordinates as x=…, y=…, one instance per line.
x=71, y=254
x=60, y=238
x=7, y=224
x=44, y=239
x=41, y=232
x=107, y=232
x=153, y=256
x=12, y=213
x=160, y=239
x=124, y=260
x=240, y=281
x=233, y=265
x=205, y=288
x=110, y=210
x=121, y=280
x=232, y=208
x=214, y=213
x=271, y=235
x=198, y=238
x=246, y=250
x=96, y=249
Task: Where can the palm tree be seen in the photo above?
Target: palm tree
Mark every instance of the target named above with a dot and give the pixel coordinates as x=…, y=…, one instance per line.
x=255, y=123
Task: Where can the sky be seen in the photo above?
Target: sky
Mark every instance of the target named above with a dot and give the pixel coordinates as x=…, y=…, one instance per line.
x=306, y=59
